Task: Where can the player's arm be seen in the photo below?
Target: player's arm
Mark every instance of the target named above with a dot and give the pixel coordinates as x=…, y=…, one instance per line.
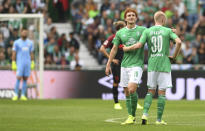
x=106, y=54
x=32, y=57
x=13, y=57
x=178, y=48
x=139, y=44
x=178, y=45
x=133, y=47
x=111, y=57
x=103, y=49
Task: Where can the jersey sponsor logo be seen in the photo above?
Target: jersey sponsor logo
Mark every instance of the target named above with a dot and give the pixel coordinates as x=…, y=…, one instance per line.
x=156, y=55
x=25, y=48
x=131, y=41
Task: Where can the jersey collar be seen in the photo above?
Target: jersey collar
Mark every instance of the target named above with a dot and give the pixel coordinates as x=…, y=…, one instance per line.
x=131, y=28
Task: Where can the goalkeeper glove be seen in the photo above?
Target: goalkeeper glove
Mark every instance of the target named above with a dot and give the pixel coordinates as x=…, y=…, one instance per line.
x=32, y=65
x=13, y=65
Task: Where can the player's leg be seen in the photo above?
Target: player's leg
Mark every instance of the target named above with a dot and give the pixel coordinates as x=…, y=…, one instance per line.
x=135, y=77
x=164, y=82
x=24, y=89
x=26, y=74
x=116, y=79
x=19, y=74
x=124, y=83
x=160, y=107
x=131, y=118
x=77, y=58
x=152, y=84
x=16, y=89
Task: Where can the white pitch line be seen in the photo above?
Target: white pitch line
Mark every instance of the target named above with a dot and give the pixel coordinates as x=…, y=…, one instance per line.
x=115, y=120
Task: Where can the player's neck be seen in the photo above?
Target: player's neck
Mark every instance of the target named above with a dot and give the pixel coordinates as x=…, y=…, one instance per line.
x=158, y=24
x=131, y=26
x=23, y=38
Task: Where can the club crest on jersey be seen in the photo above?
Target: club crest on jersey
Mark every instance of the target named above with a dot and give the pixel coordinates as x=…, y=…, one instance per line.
x=25, y=48
x=137, y=33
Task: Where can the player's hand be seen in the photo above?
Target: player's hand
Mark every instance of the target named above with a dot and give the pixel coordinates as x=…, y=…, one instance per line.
x=108, y=70
x=32, y=65
x=175, y=30
x=172, y=60
x=13, y=65
x=115, y=61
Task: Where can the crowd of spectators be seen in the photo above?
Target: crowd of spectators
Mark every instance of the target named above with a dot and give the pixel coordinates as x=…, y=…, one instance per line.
x=93, y=21
x=57, y=49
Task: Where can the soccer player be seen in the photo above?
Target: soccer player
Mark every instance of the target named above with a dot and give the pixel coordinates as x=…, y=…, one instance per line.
x=132, y=62
x=22, y=61
x=116, y=62
x=159, y=67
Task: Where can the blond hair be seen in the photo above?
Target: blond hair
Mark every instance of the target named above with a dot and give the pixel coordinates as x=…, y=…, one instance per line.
x=159, y=16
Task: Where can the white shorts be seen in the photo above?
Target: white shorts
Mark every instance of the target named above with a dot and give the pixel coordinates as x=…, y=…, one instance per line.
x=130, y=75
x=162, y=79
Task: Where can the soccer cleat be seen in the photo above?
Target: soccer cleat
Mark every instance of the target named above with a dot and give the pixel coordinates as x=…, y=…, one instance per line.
x=144, y=120
x=15, y=98
x=139, y=107
x=130, y=120
x=160, y=122
x=117, y=106
x=23, y=98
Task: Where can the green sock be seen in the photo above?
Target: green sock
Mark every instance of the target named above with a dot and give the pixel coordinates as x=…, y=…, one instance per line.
x=128, y=105
x=160, y=106
x=134, y=99
x=147, y=103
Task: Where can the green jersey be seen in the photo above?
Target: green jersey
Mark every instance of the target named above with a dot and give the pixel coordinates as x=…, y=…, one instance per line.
x=128, y=37
x=158, y=40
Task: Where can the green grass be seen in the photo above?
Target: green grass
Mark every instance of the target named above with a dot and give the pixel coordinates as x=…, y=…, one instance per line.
x=91, y=115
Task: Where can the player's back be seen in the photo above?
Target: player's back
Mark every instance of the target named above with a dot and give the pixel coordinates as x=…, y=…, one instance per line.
x=23, y=49
x=158, y=39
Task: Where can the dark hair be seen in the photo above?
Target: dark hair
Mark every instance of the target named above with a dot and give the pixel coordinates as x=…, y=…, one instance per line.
x=24, y=29
x=119, y=24
x=71, y=33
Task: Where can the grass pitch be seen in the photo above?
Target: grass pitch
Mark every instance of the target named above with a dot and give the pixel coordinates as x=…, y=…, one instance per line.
x=95, y=115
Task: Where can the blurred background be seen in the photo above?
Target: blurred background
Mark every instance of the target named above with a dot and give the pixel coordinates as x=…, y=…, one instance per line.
x=73, y=33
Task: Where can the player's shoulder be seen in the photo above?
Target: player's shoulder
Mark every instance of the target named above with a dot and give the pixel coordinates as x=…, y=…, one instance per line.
x=121, y=30
x=166, y=28
x=17, y=40
x=29, y=41
x=142, y=27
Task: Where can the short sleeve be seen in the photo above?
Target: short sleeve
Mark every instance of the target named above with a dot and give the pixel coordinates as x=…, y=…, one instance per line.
x=143, y=37
x=116, y=41
x=173, y=36
x=14, y=46
x=109, y=44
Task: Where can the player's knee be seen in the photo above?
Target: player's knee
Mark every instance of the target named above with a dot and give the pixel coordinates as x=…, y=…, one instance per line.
x=115, y=84
x=151, y=91
x=161, y=92
x=126, y=91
